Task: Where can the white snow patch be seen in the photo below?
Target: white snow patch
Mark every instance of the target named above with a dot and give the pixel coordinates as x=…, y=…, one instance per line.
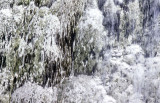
x=120, y=1
x=34, y=93
x=52, y=29
x=18, y=14
x=6, y=12
x=86, y=89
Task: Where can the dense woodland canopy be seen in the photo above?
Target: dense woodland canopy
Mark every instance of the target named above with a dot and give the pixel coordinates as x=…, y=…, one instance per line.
x=80, y=51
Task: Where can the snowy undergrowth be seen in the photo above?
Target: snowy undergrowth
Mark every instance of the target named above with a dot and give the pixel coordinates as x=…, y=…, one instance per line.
x=81, y=89
x=119, y=71
x=130, y=77
x=31, y=92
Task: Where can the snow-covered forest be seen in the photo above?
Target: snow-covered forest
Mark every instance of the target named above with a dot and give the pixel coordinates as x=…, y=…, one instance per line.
x=79, y=51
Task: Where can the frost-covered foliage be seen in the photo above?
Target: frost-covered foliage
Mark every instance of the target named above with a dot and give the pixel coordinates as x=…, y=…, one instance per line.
x=79, y=89
x=31, y=30
x=34, y=93
x=130, y=77
x=35, y=45
x=84, y=51
x=5, y=73
x=89, y=40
